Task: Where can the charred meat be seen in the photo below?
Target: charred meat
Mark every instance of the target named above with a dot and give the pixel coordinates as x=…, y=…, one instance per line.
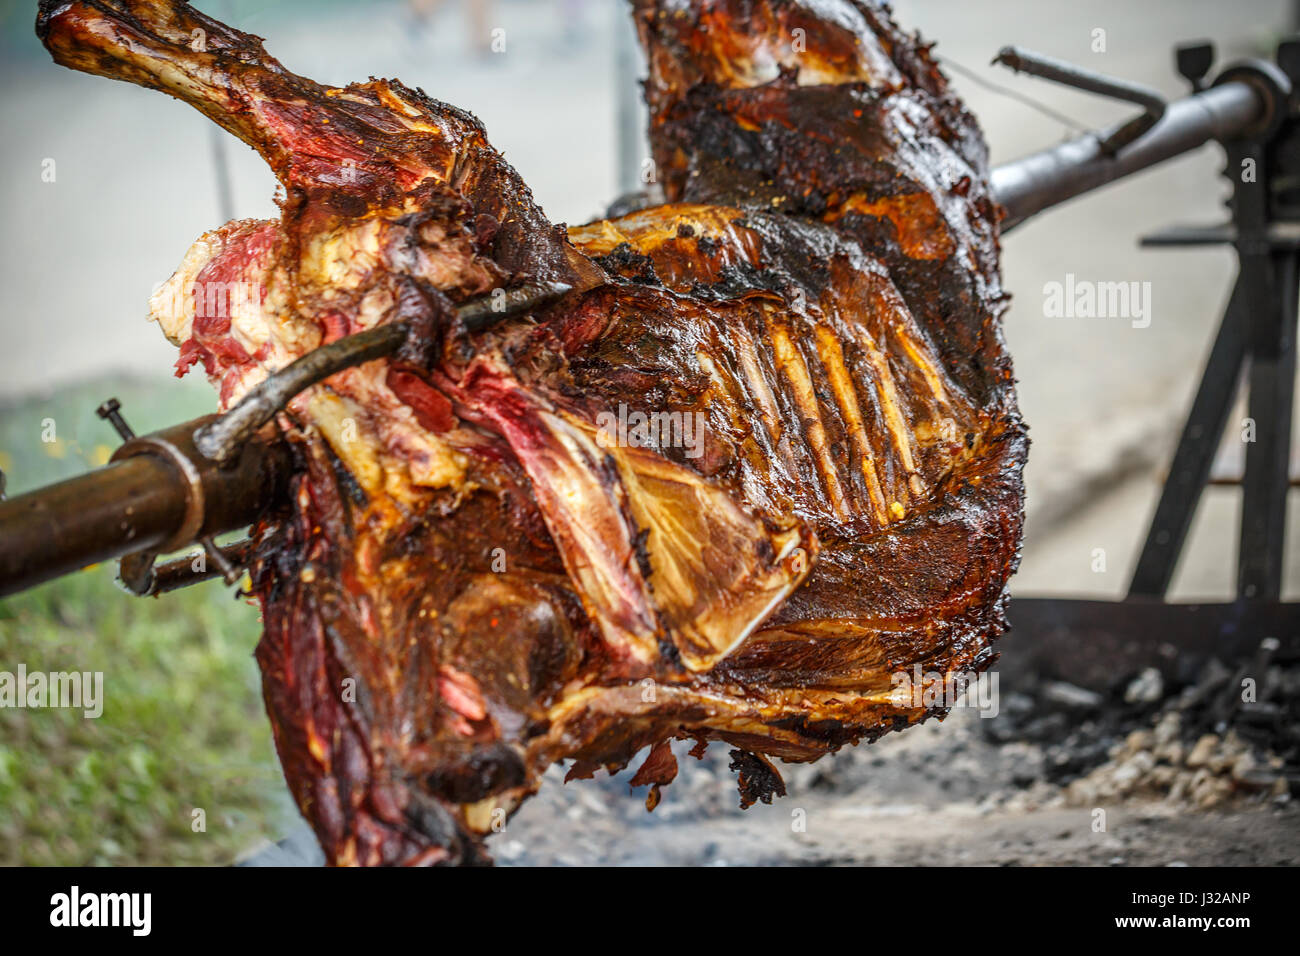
x=764, y=456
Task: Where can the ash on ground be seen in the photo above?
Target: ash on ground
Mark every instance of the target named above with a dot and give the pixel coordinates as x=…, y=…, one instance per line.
x=1143, y=774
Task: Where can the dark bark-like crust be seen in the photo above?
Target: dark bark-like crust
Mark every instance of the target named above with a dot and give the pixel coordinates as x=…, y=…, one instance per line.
x=758, y=779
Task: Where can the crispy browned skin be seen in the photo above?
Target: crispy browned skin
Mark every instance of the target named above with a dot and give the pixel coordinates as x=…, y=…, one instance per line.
x=473, y=581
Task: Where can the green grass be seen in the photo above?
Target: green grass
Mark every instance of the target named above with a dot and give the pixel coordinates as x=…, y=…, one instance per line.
x=182, y=725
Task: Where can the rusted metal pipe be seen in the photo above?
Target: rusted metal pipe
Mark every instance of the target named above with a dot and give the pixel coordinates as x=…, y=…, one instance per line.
x=126, y=506
x=143, y=501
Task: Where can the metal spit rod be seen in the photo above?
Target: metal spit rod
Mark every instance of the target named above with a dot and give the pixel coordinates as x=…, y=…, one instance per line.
x=192, y=481
x=142, y=503
x=1027, y=186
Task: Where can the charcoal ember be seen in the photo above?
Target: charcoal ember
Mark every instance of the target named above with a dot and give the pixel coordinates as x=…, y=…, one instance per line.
x=1231, y=734
x=1148, y=687
x=1072, y=698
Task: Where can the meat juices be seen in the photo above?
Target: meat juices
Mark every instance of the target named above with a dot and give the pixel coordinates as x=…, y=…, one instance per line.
x=474, y=580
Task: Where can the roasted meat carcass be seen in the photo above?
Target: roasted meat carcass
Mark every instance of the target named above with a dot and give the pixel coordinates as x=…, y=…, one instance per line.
x=762, y=457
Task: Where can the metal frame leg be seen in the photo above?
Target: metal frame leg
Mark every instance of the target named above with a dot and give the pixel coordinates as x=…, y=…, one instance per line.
x=1268, y=457
x=1194, y=456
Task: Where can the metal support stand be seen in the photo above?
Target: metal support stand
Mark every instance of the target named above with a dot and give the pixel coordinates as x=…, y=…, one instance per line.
x=1257, y=338
x=1094, y=643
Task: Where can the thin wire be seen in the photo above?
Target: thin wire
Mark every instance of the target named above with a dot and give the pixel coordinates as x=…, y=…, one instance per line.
x=221, y=169
x=217, y=137
x=1014, y=94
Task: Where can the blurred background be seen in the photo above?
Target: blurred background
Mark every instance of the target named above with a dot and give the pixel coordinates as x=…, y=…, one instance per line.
x=137, y=177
